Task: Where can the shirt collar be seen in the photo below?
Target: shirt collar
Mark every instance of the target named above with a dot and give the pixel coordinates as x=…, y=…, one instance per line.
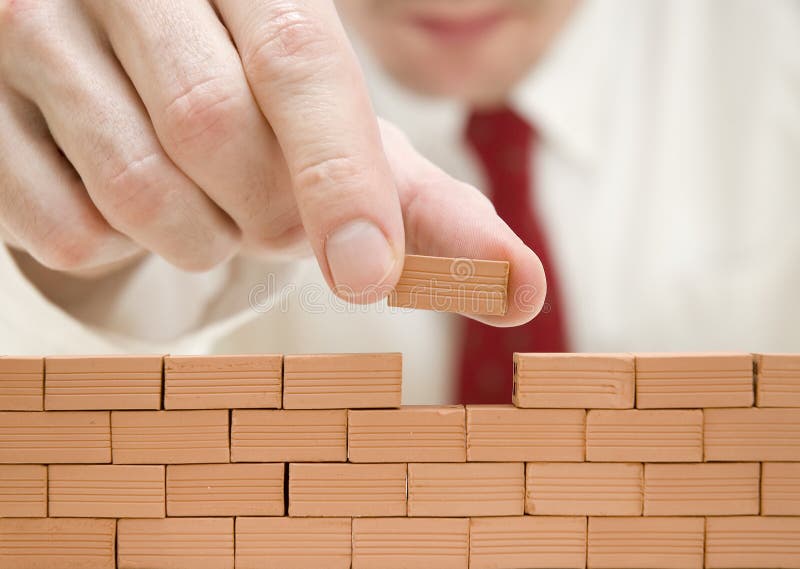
x=566, y=91
x=422, y=118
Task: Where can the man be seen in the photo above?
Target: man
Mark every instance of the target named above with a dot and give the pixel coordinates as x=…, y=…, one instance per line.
x=656, y=142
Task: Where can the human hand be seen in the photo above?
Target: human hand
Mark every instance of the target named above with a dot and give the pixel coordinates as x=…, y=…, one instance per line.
x=198, y=131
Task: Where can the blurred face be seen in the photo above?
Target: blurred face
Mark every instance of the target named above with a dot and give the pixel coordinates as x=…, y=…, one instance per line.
x=472, y=50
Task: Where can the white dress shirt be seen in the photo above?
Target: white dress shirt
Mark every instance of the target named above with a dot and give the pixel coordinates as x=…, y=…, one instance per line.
x=667, y=174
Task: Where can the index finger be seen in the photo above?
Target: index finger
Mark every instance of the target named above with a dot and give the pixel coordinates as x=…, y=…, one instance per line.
x=309, y=85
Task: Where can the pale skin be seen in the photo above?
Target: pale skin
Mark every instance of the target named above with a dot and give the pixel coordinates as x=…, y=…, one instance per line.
x=198, y=131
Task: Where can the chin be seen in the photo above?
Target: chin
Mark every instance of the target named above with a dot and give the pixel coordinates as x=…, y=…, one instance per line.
x=465, y=77
x=455, y=88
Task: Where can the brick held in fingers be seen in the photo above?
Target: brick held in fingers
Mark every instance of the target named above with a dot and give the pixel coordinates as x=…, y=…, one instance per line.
x=780, y=489
x=409, y=434
x=757, y=434
x=21, y=383
x=645, y=543
x=175, y=543
x=53, y=437
x=169, y=437
x=289, y=435
x=634, y=435
x=222, y=382
x=527, y=542
x=225, y=490
x=777, y=380
x=503, y=433
x=342, y=381
x=462, y=490
x=580, y=381
x=102, y=382
x=106, y=491
x=347, y=490
x=23, y=491
x=701, y=489
x=752, y=542
x=583, y=489
x=53, y=543
x=466, y=286
x=293, y=543
x=685, y=381
x=400, y=543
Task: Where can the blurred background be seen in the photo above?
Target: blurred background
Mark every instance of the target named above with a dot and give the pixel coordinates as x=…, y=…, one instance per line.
x=647, y=150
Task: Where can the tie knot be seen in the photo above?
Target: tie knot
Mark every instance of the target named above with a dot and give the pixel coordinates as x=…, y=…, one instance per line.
x=499, y=129
x=503, y=142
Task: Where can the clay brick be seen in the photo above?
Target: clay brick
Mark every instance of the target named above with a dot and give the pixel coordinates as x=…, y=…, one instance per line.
x=410, y=434
x=583, y=489
x=467, y=286
x=284, y=543
x=497, y=433
x=701, y=489
x=752, y=542
x=526, y=542
x=54, y=437
x=225, y=490
x=102, y=382
x=347, y=490
x=684, y=381
x=50, y=543
x=645, y=543
x=461, y=490
x=581, y=381
x=401, y=543
x=23, y=491
x=106, y=491
x=222, y=382
x=21, y=383
x=175, y=543
x=780, y=489
x=342, y=381
x=289, y=436
x=644, y=436
x=752, y=434
x=778, y=380
x=169, y=437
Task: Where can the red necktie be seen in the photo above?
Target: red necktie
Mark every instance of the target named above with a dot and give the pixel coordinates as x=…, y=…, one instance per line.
x=504, y=144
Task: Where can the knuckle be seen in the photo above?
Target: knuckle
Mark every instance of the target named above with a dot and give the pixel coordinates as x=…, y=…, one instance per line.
x=71, y=246
x=290, y=37
x=128, y=189
x=24, y=31
x=15, y=13
x=206, y=113
x=327, y=173
x=137, y=200
x=332, y=187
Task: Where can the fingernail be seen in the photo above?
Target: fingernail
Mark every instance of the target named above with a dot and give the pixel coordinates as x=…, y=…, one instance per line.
x=360, y=259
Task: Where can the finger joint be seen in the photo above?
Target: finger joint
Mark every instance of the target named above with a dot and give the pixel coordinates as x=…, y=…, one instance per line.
x=204, y=115
x=291, y=42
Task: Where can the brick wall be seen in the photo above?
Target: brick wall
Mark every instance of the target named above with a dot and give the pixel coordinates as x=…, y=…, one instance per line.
x=269, y=462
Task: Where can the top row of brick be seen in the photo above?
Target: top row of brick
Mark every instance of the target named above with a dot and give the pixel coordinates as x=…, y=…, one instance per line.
x=318, y=381
x=374, y=381
x=656, y=381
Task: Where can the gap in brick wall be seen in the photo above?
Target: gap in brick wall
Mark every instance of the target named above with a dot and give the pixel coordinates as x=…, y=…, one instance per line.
x=285, y=488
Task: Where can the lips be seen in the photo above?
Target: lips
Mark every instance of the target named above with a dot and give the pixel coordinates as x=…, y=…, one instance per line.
x=458, y=28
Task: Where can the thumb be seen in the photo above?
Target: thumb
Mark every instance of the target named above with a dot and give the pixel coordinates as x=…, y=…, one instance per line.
x=447, y=218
